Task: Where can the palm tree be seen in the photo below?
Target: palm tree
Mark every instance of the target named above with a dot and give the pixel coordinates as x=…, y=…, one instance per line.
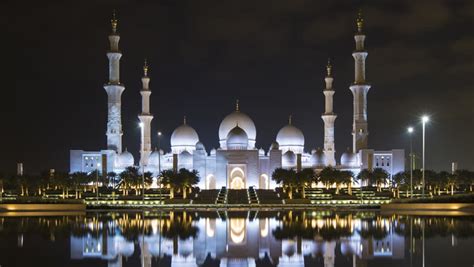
x=380, y=177
x=286, y=177
x=366, y=176
x=128, y=176
x=327, y=176
x=112, y=177
x=399, y=180
x=189, y=179
x=184, y=180
x=303, y=178
x=345, y=178
x=170, y=179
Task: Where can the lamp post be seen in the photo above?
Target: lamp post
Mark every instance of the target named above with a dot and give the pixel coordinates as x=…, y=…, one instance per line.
x=97, y=182
x=424, y=120
x=410, y=132
x=159, y=166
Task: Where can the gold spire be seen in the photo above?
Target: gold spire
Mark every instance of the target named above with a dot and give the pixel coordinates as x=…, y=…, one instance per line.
x=289, y=119
x=237, y=108
x=114, y=22
x=145, y=69
x=329, y=67
x=360, y=21
x=184, y=119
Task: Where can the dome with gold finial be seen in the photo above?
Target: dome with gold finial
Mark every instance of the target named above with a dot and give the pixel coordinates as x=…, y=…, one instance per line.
x=290, y=138
x=237, y=118
x=184, y=138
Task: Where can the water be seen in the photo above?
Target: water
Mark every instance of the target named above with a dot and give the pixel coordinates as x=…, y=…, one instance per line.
x=253, y=239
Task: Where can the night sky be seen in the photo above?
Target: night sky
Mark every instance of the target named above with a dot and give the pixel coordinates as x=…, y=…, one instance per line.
x=205, y=54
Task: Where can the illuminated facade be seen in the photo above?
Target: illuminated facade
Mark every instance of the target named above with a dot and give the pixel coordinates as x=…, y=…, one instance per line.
x=238, y=163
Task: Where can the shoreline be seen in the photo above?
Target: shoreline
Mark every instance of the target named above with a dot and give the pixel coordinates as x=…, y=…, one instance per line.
x=30, y=209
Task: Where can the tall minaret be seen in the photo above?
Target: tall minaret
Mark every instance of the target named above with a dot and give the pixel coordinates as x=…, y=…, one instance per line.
x=359, y=89
x=145, y=118
x=329, y=117
x=114, y=91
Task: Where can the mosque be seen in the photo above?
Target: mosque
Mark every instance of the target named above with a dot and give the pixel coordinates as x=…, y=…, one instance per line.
x=238, y=163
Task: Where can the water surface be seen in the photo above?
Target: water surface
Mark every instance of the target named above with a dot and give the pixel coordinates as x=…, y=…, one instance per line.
x=253, y=239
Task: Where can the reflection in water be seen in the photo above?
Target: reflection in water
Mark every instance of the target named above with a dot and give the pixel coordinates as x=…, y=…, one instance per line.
x=288, y=239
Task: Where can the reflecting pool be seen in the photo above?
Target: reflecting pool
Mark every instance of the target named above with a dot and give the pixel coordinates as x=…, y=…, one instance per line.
x=224, y=238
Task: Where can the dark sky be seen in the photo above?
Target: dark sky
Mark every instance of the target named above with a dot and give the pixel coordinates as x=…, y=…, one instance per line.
x=205, y=54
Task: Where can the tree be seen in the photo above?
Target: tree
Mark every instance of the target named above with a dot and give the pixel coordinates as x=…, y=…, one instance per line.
x=465, y=178
x=380, y=177
x=79, y=180
x=399, y=181
x=366, y=176
x=170, y=179
x=286, y=177
x=345, y=178
x=128, y=176
x=327, y=176
x=183, y=180
x=303, y=178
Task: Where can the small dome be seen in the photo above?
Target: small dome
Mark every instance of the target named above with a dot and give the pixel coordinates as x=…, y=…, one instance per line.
x=185, y=158
x=184, y=138
x=289, y=158
x=153, y=160
x=348, y=158
x=261, y=152
x=237, y=139
x=290, y=136
x=317, y=157
x=275, y=145
x=213, y=152
x=200, y=146
x=126, y=159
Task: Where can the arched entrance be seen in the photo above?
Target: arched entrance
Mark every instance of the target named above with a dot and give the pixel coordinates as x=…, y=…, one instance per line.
x=264, y=182
x=210, y=182
x=237, y=178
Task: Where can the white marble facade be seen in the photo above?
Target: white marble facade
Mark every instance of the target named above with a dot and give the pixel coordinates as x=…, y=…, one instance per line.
x=238, y=163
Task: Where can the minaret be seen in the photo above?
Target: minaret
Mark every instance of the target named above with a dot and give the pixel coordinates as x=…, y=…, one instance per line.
x=329, y=117
x=145, y=118
x=359, y=89
x=114, y=91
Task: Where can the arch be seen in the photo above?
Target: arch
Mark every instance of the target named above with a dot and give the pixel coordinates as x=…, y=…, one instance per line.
x=236, y=169
x=210, y=182
x=237, y=183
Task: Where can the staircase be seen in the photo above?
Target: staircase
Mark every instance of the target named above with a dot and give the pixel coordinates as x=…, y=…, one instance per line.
x=317, y=194
x=222, y=196
x=252, y=196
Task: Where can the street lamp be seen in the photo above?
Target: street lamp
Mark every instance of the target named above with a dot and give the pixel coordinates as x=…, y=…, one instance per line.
x=97, y=181
x=410, y=132
x=424, y=120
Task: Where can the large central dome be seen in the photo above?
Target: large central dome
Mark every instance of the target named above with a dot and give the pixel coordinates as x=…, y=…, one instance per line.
x=240, y=119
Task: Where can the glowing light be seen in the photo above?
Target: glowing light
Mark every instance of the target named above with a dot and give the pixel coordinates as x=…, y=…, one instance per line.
x=425, y=119
x=410, y=129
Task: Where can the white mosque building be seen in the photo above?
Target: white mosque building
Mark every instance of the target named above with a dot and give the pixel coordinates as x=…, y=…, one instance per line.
x=237, y=163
